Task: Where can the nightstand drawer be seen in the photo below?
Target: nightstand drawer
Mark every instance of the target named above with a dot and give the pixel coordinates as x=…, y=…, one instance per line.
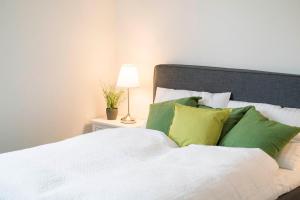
x=101, y=127
x=99, y=124
x=96, y=128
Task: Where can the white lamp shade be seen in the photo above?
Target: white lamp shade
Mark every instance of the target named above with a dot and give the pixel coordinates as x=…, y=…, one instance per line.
x=128, y=76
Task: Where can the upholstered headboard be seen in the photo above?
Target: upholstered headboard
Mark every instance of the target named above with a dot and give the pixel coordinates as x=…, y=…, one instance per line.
x=245, y=85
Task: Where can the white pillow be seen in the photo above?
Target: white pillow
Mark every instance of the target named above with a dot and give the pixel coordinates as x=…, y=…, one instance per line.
x=265, y=109
x=214, y=100
x=289, y=158
x=289, y=116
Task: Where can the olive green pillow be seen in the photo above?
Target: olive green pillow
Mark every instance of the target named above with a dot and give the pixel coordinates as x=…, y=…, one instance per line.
x=161, y=114
x=197, y=125
x=256, y=131
x=235, y=115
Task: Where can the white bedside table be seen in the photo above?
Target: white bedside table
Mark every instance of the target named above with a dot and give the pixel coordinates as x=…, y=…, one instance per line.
x=101, y=123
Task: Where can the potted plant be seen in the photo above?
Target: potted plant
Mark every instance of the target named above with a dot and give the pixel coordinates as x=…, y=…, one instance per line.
x=113, y=97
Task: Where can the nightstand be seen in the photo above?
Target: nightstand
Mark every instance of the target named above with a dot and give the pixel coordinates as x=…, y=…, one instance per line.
x=101, y=123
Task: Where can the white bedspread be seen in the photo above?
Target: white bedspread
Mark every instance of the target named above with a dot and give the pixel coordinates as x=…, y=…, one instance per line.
x=135, y=164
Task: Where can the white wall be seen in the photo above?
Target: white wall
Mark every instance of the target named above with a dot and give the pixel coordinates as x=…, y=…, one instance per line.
x=53, y=55
x=256, y=34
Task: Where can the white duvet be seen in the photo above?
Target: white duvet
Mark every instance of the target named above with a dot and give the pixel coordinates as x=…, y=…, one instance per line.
x=135, y=164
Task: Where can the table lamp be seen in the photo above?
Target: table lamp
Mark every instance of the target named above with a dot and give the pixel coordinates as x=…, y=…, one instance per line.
x=128, y=78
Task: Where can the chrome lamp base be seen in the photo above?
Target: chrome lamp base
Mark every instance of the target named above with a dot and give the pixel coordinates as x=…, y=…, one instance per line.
x=128, y=119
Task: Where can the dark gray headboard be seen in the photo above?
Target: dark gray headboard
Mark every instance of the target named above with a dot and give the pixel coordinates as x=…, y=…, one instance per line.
x=245, y=85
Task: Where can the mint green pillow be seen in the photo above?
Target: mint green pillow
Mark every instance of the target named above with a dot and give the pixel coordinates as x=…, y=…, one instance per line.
x=161, y=114
x=197, y=125
x=256, y=131
x=235, y=115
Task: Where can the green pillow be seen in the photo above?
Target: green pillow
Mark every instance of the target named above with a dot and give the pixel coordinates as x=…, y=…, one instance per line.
x=256, y=131
x=235, y=115
x=197, y=125
x=161, y=114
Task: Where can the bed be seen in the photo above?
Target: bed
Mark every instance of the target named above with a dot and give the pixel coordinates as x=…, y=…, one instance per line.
x=245, y=85
x=145, y=164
